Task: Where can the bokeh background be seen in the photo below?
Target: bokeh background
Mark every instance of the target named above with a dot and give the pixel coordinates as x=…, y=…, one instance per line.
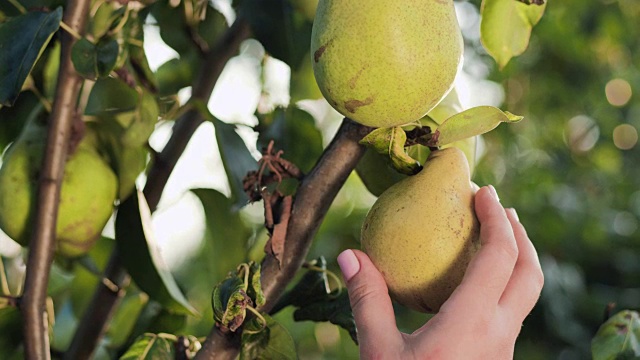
x=570, y=168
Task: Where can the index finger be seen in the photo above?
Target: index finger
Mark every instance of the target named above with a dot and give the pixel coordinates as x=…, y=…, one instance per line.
x=490, y=270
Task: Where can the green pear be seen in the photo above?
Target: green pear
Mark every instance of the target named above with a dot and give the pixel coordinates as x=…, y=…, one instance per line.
x=89, y=189
x=422, y=232
x=384, y=63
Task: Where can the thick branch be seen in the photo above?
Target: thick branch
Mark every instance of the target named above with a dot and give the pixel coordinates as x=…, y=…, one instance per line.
x=42, y=243
x=105, y=299
x=314, y=196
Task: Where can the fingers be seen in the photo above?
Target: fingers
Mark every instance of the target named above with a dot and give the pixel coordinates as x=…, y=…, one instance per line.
x=525, y=284
x=488, y=273
x=370, y=301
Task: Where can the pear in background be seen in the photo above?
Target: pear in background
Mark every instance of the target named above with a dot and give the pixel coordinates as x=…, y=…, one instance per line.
x=385, y=63
x=89, y=189
x=422, y=232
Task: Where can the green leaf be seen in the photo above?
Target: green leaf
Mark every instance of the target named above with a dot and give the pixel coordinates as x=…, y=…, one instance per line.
x=284, y=32
x=12, y=119
x=89, y=274
x=255, y=286
x=125, y=317
x=236, y=158
x=176, y=74
x=141, y=257
x=126, y=161
x=22, y=40
x=123, y=128
x=618, y=337
x=270, y=343
x=180, y=32
x=103, y=19
x=138, y=63
x=95, y=60
x=376, y=170
x=150, y=347
x=227, y=233
x=506, y=27
x=155, y=319
x=59, y=280
x=174, y=29
x=314, y=300
x=472, y=122
x=295, y=133
x=110, y=96
x=390, y=142
x=11, y=330
x=229, y=301
x=336, y=310
x=312, y=287
x=232, y=296
x=140, y=127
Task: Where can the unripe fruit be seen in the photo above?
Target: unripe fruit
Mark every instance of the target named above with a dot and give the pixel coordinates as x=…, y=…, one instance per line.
x=89, y=189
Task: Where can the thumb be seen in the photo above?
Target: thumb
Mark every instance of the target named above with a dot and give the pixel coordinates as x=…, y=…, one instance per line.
x=370, y=301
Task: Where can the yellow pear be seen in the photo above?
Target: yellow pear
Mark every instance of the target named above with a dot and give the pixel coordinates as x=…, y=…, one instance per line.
x=422, y=232
x=89, y=189
x=385, y=63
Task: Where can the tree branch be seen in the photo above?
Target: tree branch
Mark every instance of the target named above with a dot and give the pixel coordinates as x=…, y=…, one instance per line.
x=104, y=299
x=312, y=201
x=184, y=127
x=42, y=242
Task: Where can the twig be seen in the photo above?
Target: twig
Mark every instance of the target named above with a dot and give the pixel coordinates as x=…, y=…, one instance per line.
x=36, y=333
x=104, y=300
x=313, y=198
x=9, y=301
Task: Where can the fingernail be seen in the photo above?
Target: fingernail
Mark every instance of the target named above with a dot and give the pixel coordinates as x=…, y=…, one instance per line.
x=349, y=264
x=494, y=192
x=514, y=214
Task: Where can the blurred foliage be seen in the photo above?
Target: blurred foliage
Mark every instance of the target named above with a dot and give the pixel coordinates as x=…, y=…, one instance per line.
x=570, y=167
x=573, y=181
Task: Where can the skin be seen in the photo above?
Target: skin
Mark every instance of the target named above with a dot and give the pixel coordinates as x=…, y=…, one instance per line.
x=483, y=316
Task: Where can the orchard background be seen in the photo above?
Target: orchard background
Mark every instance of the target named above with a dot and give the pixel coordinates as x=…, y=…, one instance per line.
x=219, y=94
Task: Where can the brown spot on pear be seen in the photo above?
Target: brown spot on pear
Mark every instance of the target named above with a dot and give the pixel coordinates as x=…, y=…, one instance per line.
x=422, y=232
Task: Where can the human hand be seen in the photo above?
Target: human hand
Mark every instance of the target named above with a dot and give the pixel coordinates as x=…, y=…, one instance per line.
x=483, y=316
